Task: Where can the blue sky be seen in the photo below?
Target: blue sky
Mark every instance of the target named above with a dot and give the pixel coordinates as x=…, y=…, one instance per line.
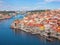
x=29, y=4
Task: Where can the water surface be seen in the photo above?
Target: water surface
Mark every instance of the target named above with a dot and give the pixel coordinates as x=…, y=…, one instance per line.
x=17, y=37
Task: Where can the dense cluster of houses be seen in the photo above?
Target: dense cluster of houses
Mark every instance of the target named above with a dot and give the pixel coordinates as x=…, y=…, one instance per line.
x=43, y=23
x=4, y=16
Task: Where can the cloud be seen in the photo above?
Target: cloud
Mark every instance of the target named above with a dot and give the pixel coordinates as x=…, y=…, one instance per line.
x=52, y=0
x=47, y=1
x=1, y=3
x=39, y=5
x=27, y=8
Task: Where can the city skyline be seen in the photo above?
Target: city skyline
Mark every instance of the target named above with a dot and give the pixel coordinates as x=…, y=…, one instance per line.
x=29, y=4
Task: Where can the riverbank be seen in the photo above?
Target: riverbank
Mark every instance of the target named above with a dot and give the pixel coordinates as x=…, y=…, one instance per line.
x=44, y=24
x=34, y=31
x=4, y=16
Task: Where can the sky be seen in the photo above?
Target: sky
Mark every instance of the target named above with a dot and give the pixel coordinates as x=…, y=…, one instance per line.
x=29, y=4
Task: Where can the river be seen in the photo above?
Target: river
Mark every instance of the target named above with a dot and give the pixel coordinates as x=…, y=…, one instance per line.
x=17, y=37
